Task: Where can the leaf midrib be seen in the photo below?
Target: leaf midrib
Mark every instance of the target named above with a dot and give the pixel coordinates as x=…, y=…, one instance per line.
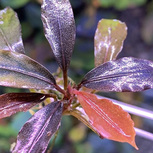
x=43, y=128
x=6, y=40
x=28, y=74
x=105, y=117
x=61, y=40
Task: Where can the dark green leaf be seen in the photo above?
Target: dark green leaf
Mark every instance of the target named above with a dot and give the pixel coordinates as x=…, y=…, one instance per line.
x=59, y=26
x=125, y=74
x=109, y=38
x=18, y=70
x=10, y=31
x=12, y=103
x=36, y=133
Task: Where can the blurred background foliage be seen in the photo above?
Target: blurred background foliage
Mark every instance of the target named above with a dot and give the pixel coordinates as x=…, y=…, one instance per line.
x=74, y=137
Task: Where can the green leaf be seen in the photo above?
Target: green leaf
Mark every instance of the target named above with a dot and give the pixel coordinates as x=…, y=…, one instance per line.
x=14, y=3
x=18, y=70
x=109, y=38
x=10, y=31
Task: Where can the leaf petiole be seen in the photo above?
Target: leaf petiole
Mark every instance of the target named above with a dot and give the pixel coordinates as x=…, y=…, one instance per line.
x=65, y=79
x=60, y=89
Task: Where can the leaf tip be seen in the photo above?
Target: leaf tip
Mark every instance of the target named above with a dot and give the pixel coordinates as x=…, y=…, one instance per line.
x=134, y=145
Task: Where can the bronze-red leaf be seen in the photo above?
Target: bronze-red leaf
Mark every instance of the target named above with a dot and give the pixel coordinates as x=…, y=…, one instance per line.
x=108, y=119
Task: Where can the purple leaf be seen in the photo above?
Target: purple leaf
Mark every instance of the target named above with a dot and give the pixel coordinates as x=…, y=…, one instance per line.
x=10, y=31
x=125, y=74
x=38, y=130
x=12, y=103
x=18, y=70
x=59, y=27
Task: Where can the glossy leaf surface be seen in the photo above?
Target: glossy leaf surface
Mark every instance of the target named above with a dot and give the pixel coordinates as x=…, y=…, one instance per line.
x=12, y=103
x=59, y=26
x=80, y=114
x=18, y=70
x=37, y=131
x=10, y=31
x=108, y=40
x=110, y=120
x=125, y=74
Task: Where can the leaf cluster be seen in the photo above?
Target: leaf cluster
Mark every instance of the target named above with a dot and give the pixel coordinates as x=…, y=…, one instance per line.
x=55, y=99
